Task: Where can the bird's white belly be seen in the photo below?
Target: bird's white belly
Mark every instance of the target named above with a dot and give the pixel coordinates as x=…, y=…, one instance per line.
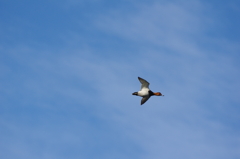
x=143, y=93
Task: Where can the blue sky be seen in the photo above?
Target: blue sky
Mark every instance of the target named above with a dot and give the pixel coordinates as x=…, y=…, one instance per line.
x=68, y=69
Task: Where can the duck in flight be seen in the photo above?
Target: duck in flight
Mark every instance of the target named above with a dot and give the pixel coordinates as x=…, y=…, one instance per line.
x=145, y=92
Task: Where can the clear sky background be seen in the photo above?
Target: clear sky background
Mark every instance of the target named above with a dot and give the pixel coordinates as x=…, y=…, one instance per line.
x=68, y=69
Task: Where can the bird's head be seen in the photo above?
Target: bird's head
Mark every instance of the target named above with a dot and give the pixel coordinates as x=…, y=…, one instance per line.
x=158, y=94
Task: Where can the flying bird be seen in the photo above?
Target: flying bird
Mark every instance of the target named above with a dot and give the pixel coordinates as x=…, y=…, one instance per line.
x=145, y=92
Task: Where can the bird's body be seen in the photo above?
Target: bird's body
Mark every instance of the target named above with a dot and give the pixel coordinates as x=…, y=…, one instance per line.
x=145, y=92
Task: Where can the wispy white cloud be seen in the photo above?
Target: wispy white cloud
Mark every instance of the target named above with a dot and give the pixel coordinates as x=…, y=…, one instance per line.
x=160, y=24
x=107, y=85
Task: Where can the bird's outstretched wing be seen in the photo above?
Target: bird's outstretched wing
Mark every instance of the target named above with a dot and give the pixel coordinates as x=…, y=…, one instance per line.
x=144, y=83
x=144, y=99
